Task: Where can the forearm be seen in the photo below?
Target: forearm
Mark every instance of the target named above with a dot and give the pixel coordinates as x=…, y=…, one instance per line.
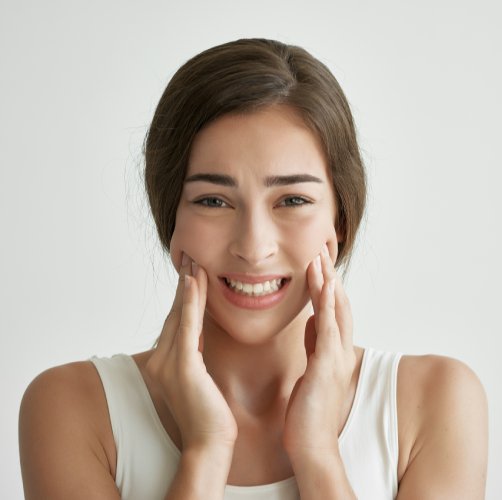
x=202, y=474
x=322, y=477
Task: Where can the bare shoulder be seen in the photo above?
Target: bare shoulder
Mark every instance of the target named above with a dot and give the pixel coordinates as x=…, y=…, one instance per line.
x=437, y=376
x=64, y=435
x=443, y=427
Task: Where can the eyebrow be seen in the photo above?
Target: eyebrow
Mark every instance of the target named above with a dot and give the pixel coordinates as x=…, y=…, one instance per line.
x=275, y=180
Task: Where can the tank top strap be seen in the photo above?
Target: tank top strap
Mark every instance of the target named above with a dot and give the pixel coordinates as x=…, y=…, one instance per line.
x=147, y=459
x=142, y=443
x=369, y=442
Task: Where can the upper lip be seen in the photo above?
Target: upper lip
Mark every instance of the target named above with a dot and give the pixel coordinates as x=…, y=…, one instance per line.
x=253, y=278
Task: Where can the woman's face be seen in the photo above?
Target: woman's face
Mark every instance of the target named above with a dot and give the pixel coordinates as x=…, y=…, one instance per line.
x=257, y=203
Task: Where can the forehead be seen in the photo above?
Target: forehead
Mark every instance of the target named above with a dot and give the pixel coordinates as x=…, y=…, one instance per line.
x=273, y=140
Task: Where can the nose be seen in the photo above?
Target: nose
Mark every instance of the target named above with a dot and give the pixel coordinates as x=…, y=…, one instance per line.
x=254, y=238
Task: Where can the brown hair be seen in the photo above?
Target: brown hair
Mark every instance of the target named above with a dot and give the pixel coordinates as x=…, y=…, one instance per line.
x=241, y=76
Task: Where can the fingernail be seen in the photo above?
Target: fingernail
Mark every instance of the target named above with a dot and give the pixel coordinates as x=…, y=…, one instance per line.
x=325, y=249
x=185, y=259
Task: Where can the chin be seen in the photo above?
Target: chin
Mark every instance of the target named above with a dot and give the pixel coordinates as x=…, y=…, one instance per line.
x=258, y=327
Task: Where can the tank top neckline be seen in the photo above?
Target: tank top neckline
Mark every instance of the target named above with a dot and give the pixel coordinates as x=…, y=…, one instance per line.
x=230, y=487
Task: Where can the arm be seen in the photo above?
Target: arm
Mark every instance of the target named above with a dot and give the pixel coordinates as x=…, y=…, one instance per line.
x=62, y=455
x=207, y=426
x=310, y=437
x=202, y=473
x=449, y=457
x=323, y=478
x=64, y=425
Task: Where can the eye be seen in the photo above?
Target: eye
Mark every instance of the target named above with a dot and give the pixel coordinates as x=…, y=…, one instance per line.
x=210, y=202
x=296, y=201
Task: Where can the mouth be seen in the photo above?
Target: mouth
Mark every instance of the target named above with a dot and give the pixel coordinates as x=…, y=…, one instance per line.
x=255, y=289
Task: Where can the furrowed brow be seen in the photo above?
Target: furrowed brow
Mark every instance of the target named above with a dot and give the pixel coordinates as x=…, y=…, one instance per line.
x=284, y=180
x=221, y=180
x=275, y=180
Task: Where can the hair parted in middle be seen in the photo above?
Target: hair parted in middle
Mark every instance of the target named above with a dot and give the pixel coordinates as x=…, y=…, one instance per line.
x=240, y=77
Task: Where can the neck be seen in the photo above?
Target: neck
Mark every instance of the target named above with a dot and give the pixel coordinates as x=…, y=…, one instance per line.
x=256, y=378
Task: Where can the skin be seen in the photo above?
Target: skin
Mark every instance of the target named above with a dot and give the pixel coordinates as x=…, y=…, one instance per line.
x=202, y=377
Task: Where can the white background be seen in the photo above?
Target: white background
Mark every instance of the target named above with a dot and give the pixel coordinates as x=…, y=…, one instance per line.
x=81, y=270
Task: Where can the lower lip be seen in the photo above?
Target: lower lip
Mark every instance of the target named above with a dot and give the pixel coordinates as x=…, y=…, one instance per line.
x=248, y=302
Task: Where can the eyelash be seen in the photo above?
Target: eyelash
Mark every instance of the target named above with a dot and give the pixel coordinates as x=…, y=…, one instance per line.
x=304, y=201
x=295, y=205
x=202, y=200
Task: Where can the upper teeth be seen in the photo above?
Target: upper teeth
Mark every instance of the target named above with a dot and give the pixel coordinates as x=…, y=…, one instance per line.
x=256, y=288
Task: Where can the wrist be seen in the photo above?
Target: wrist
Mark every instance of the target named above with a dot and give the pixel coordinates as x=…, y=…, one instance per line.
x=321, y=471
x=217, y=453
x=202, y=472
x=317, y=462
x=209, y=441
x=314, y=456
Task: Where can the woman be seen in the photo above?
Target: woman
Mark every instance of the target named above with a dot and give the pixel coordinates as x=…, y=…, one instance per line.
x=255, y=388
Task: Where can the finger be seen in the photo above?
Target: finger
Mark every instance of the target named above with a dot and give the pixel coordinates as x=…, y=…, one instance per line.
x=316, y=285
x=186, y=268
x=189, y=330
x=329, y=268
x=343, y=315
x=328, y=331
x=201, y=276
x=314, y=281
x=171, y=323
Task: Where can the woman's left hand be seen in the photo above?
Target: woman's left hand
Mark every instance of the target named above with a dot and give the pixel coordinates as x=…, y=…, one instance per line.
x=316, y=406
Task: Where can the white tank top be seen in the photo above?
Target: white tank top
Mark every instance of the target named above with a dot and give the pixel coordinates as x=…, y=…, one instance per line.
x=147, y=458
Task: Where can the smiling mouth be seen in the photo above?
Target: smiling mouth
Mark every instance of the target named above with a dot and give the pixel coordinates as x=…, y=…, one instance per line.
x=256, y=289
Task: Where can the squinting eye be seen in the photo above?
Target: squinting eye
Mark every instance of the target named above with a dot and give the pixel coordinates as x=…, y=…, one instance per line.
x=296, y=201
x=210, y=202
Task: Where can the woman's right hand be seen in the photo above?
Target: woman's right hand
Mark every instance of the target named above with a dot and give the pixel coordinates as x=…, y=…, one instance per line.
x=194, y=400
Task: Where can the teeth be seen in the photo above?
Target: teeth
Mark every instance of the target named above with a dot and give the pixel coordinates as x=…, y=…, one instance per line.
x=257, y=289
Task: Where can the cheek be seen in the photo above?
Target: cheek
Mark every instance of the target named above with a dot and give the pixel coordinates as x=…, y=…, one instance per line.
x=332, y=241
x=183, y=239
x=176, y=247
x=310, y=235
x=196, y=239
